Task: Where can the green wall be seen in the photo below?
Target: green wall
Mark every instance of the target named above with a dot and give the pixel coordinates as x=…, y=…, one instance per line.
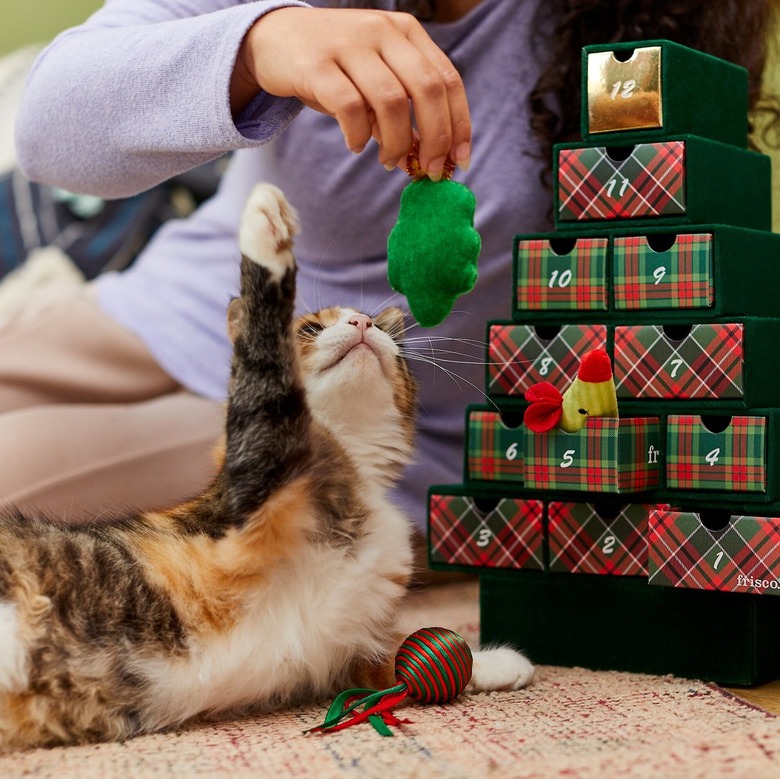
x=37, y=21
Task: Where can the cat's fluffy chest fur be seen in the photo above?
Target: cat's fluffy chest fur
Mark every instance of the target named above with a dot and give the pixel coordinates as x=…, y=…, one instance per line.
x=320, y=612
x=280, y=582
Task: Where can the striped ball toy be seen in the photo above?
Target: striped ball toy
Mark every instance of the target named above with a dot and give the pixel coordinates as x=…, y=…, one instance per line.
x=433, y=665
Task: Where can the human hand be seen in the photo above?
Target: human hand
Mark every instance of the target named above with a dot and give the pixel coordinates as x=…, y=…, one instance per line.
x=377, y=73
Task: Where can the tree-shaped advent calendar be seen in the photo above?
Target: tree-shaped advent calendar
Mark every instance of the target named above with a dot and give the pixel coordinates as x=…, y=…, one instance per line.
x=649, y=541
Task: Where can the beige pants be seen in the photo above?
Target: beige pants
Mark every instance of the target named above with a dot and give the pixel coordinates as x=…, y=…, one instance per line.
x=89, y=422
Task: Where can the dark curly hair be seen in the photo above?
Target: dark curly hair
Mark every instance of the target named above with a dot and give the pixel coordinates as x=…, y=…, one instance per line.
x=735, y=30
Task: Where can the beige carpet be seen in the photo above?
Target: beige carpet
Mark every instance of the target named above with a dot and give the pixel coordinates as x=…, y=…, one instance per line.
x=570, y=723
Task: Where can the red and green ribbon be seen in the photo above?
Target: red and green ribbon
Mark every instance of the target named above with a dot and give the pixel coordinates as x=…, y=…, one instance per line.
x=433, y=665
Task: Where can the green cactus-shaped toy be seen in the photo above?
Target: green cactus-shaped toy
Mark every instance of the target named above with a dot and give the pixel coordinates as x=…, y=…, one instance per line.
x=433, y=249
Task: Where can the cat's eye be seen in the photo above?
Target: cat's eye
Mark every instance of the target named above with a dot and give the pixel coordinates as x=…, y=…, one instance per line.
x=310, y=329
x=390, y=321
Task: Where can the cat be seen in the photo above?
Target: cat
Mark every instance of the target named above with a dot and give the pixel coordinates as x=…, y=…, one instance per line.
x=280, y=583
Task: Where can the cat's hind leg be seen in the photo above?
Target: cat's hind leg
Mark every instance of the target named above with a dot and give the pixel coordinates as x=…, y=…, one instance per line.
x=268, y=225
x=501, y=668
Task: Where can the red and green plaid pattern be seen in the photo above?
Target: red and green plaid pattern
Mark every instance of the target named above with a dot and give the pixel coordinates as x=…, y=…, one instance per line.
x=510, y=535
x=678, y=278
x=581, y=541
x=607, y=455
x=707, y=363
x=550, y=281
x=495, y=452
x=733, y=460
x=519, y=358
x=649, y=183
x=743, y=557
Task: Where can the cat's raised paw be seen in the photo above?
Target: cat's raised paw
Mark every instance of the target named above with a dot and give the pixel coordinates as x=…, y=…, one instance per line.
x=268, y=225
x=500, y=669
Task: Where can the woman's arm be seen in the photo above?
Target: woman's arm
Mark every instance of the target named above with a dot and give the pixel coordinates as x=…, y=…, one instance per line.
x=140, y=93
x=148, y=88
x=375, y=72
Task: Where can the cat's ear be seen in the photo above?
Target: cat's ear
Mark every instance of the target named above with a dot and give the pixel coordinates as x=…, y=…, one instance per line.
x=391, y=320
x=234, y=312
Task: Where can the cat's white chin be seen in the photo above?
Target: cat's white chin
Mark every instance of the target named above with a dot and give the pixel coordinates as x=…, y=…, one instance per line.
x=361, y=350
x=362, y=358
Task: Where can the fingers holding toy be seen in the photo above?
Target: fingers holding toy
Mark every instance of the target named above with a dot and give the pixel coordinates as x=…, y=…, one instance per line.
x=432, y=250
x=373, y=71
x=438, y=97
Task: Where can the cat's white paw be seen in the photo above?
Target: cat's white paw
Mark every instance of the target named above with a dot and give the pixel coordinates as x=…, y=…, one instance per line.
x=500, y=669
x=268, y=225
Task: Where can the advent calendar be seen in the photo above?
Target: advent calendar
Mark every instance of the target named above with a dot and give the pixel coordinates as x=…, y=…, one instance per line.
x=648, y=542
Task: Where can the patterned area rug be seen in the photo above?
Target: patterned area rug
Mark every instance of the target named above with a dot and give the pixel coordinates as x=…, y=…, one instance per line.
x=570, y=723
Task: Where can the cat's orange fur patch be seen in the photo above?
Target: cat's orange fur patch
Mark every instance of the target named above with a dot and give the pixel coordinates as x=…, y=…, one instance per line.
x=401, y=579
x=207, y=578
x=272, y=533
x=18, y=724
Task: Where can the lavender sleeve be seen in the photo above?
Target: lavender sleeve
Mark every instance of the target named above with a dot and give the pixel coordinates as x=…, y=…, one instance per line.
x=139, y=93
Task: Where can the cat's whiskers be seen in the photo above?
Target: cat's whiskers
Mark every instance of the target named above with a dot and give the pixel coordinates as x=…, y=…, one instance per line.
x=430, y=338
x=430, y=344
x=417, y=356
x=305, y=305
x=384, y=303
x=425, y=348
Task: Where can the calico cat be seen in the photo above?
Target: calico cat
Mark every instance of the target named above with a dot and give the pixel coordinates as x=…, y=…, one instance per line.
x=280, y=583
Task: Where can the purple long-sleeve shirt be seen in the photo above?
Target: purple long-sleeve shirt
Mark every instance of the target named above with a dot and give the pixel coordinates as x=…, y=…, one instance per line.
x=140, y=92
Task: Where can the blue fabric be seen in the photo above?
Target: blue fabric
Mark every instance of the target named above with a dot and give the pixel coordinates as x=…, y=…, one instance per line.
x=97, y=235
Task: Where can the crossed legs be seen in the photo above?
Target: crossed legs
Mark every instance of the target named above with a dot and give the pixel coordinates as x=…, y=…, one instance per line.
x=89, y=423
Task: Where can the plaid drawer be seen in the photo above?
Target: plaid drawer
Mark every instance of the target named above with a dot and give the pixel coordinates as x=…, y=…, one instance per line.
x=649, y=273
x=510, y=534
x=598, y=538
x=494, y=451
x=744, y=556
x=607, y=455
x=732, y=460
x=650, y=182
x=553, y=276
x=518, y=356
x=706, y=363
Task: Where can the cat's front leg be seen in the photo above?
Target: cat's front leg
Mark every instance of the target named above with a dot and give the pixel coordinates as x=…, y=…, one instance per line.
x=501, y=668
x=268, y=422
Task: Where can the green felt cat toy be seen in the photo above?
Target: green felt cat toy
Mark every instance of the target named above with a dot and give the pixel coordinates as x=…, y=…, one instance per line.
x=433, y=249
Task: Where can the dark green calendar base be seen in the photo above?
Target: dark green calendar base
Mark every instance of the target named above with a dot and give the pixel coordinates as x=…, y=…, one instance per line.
x=623, y=624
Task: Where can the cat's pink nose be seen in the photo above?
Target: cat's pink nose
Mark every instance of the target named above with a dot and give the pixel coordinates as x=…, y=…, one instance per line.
x=361, y=321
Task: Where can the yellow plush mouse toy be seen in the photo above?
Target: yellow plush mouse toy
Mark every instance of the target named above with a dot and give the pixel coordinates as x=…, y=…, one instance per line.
x=591, y=394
